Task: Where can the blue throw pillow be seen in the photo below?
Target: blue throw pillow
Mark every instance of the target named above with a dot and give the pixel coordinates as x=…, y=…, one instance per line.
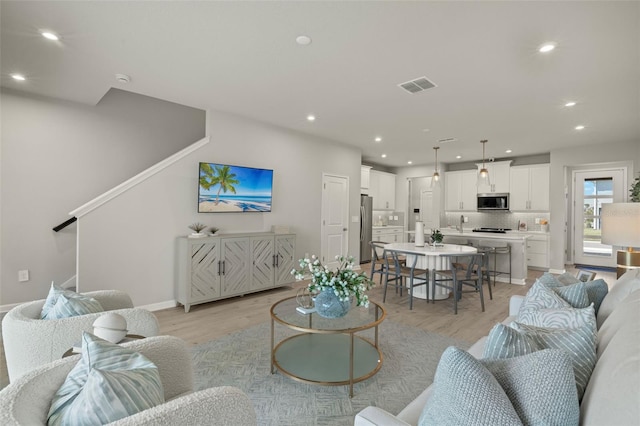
x=596, y=289
x=109, y=383
x=61, y=303
x=538, y=388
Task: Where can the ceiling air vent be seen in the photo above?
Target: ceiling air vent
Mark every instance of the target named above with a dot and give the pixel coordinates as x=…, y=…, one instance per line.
x=417, y=85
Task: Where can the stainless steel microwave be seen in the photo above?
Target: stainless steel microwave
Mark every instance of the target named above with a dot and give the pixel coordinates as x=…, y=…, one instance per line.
x=493, y=201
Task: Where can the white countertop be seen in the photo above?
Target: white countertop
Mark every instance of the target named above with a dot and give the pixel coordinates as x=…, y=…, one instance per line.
x=388, y=227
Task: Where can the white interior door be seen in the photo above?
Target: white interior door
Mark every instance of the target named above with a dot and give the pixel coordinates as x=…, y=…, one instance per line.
x=428, y=213
x=592, y=189
x=335, y=218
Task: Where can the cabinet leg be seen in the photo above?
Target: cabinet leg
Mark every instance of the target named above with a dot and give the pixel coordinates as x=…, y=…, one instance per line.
x=186, y=308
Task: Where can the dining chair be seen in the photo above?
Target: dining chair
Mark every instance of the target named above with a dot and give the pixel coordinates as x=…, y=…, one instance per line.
x=404, y=272
x=461, y=274
x=377, y=259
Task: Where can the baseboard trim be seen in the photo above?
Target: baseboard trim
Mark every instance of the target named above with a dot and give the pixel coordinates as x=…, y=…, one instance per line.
x=557, y=271
x=159, y=306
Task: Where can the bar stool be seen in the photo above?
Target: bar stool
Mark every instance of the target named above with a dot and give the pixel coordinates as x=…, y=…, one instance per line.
x=497, y=249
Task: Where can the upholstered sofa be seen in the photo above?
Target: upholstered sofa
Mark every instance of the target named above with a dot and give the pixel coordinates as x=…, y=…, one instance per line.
x=26, y=401
x=30, y=341
x=612, y=396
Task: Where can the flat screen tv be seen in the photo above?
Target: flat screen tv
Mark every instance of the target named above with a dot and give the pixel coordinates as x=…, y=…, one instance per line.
x=223, y=188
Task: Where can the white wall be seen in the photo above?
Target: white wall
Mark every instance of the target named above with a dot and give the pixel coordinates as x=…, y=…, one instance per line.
x=564, y=159
x=56, y=156
x=130, y=242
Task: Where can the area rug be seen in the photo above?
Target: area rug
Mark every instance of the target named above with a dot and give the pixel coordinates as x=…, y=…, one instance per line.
x=242, y=359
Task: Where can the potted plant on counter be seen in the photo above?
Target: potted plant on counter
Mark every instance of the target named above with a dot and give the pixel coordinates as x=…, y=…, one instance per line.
x=436, y=237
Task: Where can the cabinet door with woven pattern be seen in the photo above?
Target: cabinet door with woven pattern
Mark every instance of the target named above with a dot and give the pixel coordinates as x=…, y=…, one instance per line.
x=262, y=263
x=205, y=268
x=236, y=257
x=285, y=258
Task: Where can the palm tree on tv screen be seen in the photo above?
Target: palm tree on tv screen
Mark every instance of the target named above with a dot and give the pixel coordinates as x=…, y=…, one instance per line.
x=219, y=175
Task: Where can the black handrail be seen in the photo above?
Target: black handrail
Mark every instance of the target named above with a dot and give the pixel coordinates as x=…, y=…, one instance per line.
x=65, y=224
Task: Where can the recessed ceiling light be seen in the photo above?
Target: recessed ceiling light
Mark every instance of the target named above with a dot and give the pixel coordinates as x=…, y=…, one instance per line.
x=409, y=162
x=18, y=77
x=580, y=127
x=303, y=40
x=311, y=117
x=508, y=151
x=384, y=156
x=378, y=139
x=458, y=156
x=49, y=35
x=570, y=104
x=547, y=47
x=425, y=130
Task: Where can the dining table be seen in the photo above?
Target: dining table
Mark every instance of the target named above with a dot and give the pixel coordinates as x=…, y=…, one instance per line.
x=433, y=258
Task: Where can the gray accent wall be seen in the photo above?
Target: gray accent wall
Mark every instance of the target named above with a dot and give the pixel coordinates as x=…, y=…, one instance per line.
x=56, y=156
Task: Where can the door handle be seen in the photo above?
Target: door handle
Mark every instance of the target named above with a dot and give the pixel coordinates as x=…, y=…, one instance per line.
x=219, y=268
x=223, y=266
x=345, y=229
x=361, y=223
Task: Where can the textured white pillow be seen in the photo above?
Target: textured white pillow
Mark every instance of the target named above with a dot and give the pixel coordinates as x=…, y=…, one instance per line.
x=109, y=383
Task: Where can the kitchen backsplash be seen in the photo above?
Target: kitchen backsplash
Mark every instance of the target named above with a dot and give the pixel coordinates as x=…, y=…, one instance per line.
x=386, y=218
x=496, y=220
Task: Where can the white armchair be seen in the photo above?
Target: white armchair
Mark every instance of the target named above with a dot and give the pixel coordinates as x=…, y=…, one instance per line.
x=26, y=401
x=30, y=341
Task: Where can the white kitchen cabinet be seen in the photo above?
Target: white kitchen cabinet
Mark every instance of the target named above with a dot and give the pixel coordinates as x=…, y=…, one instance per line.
x=499, y=176
x=538, y=251
x=217, y=267
x=529, y=188
x=382, y=187
x=461, y=191
x=365, y=179
x=388, y=234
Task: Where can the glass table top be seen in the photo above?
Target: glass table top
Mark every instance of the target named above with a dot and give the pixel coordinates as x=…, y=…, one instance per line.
x=358, y=318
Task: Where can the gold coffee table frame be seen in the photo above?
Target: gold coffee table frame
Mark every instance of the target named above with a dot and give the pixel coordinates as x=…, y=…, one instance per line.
x=325, y=350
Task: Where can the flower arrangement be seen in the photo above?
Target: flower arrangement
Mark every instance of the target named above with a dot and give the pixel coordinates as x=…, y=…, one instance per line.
x=344, y=281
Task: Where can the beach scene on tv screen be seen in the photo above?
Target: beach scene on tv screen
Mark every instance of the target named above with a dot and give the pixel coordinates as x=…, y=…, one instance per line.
x=225, y=188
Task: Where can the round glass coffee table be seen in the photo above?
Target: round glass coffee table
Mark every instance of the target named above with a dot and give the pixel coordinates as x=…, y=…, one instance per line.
x=327, y=351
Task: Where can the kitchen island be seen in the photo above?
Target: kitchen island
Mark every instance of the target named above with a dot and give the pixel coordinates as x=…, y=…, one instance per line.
x=515, y=239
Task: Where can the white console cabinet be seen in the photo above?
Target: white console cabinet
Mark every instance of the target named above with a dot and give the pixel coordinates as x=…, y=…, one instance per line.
x=218, y=267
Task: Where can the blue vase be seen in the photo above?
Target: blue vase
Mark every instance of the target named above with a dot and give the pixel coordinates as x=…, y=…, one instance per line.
x=328, y=305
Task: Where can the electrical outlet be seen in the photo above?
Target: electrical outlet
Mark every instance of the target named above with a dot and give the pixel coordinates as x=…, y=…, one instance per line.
x=355, y=219
x=537, y=221
x=23, y=275
x=395, y=217
x=466, y=219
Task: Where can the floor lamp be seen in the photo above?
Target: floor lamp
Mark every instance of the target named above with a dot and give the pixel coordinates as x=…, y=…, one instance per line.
x=621, y=227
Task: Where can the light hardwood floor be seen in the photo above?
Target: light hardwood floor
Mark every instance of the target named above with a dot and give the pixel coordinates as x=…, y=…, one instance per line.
x=213, y=320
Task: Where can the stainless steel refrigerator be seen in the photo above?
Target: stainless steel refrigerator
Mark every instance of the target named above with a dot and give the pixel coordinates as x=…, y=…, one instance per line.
x=366, y=230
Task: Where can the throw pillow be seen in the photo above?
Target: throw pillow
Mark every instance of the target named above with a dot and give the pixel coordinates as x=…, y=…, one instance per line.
x=596, y=289
x=61, y=303
x=578, y=343
x=557, y=317
x=533, y=389
x=540, y=296
x=109, y=383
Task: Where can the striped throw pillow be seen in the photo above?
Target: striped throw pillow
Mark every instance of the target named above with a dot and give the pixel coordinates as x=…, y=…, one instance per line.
x=109, y=383
x=578, y=343
x=61, y=303
x=557, y=317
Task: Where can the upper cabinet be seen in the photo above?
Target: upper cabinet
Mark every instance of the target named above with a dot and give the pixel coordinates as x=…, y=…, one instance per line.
x=498, y=176
x=365, y=179
x=529, y=188
x=382, y=187
x=461, y=190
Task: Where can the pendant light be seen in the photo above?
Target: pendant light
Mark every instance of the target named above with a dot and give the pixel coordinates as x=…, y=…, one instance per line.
x=435, y=179
x=483, y=174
